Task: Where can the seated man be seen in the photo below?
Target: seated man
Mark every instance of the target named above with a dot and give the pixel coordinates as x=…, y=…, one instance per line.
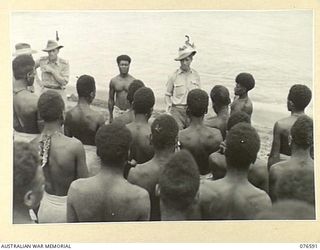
x=298, y=99
x=107, y=196
x=164, y=138
x=220, y=103
x=178, y=188
x=81, y=121
x=244, y=83
x=128, y=116
x=258, y=172
x=141, y=150
x=25, y=117
x=199, y=139
x=28, y=182
x=63, y=159
x=302, y=139
x=234, y=197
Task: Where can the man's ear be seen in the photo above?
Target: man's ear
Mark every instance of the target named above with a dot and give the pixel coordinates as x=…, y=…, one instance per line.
x=157, y=190
x=29, y=198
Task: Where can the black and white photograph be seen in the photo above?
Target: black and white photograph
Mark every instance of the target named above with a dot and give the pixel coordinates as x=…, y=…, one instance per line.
x=137, y=116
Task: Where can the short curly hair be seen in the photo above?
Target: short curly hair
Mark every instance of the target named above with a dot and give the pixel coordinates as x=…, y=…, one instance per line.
x=123, y=58
x=197, y=102
x=300, y=95
x=133, y=87
x=164, y=130
x=25, y=166
x=242, y=146
x=302, y=132
x=179, y=181
x=50, y=106
x=238, y=117
x=22, y=65
x=143, y=100
x=246, y=80
x=85, y=85
x=220, y=95
x=113, y=142
x=296, y=184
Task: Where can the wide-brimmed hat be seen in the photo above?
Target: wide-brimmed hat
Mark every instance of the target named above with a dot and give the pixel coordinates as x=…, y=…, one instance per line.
x=23, y=49
x=186, y=50
x=51, y=45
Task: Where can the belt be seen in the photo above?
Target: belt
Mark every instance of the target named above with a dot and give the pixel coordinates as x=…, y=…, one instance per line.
x=53, y=87
x=179, y=105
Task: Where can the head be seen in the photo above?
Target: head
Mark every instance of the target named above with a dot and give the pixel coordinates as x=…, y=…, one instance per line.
x=133, y=87
x=113, y=142
x=219, y=97
x=53, y=54
x=302, y=132
x=242, y=146
x=51, y=106
x=299, y=97
x=185, y=63
x=123, y=62
x=143, y=101
x=238, y=117
x=23, y=69
x=164, y=132
x=179, y=181
x=28, y=178
x=244, y=83
x=197, y=103
x=288, y=210
x=86, y=87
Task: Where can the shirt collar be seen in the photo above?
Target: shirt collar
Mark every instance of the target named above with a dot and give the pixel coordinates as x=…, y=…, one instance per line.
x=180, y=71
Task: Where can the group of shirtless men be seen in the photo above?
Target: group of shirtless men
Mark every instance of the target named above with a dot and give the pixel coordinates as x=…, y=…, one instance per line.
x=151, y=168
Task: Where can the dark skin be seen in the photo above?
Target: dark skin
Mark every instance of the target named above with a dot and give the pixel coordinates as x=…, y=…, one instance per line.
x=82, y=122
x=242, y=101
x=219, y=121
x=67, y=160
x=107, y=197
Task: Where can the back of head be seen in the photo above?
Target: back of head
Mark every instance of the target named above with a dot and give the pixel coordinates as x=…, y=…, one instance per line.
x=113, y=142
x=22, y=65
x=164, y=130
x=242, y=146
x=179, y=181
x=296, y=184
x=302, y=132
x=197, y=102
x=246, y=80
x=288, y=210
x=238, y=117
x=300, y=95
x=123, y=58
x=85, y=86
x=25, y=166
x=220, y=95
x=133, y=87
x=143, y=101
x=50, y=106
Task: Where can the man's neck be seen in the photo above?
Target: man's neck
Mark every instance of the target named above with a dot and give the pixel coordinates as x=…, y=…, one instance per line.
x=185, y=69
x=124, y=75
x=237, y=175
x=140, y=118
x=223, y=111
x=164, y=154
x=169, y=214
x=300, y=154
x=83, y=102
x=20, y=84
x=196, y=121
x=243, y=96
x=52, y=127
x=115, y=170
x=297, y=113
x=53, y=60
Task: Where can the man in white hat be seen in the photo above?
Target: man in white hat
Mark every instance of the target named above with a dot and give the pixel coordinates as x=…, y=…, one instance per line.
x=54, y=70
x=180, y=83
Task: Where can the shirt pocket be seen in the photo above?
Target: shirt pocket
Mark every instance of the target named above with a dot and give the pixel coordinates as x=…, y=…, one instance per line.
x=194, y=84
x=179, y=89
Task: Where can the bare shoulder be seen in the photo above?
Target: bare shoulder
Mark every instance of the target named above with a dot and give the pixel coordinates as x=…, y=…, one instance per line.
x=208, y=190
x=259, y=198
x=135, y=173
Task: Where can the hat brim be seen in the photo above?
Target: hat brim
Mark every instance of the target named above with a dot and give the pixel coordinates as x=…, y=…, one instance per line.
x=183, y=56
x=24, y=52
x=52, y=48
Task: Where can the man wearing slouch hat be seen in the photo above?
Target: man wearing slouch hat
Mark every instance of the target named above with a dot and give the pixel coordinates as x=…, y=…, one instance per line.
x=180, y=83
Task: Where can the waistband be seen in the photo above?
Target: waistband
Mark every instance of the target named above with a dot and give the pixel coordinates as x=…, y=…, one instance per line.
x=53, y=87
x=179, y=105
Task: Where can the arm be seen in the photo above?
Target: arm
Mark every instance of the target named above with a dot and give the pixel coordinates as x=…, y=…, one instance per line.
x=275, y=149
x=61, y=76
x=71, y=213
x=82, y=170
x=111, y=101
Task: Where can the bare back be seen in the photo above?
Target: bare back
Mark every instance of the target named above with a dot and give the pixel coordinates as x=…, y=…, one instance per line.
x=106, y=198
x=218, y=123
x=119, y=87
x=67, y=162
x=83, y=123
x=231, y=200
x=141, y=150
x=201, y=141
x=25, y=112
x=244, y=105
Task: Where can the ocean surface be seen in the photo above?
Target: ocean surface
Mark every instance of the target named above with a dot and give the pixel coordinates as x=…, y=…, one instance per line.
x=276, y=47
